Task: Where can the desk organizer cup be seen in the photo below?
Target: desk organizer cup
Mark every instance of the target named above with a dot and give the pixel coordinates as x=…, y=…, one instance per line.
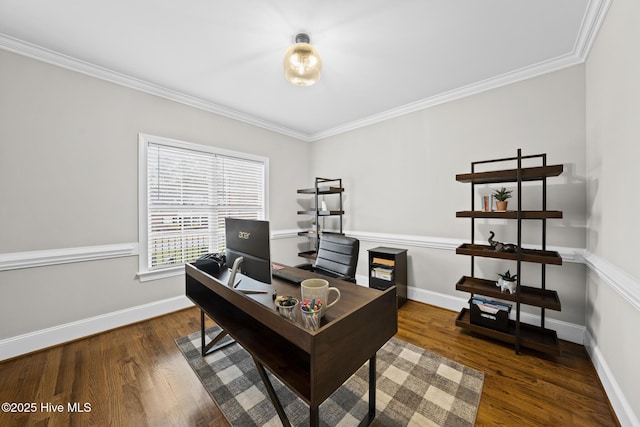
x=287, y=307
x=311, y=314
x=318, y=290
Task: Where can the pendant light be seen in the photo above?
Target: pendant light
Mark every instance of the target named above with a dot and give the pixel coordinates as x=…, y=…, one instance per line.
x=302, y=63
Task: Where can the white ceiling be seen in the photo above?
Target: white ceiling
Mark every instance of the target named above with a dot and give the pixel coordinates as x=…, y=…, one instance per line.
x=381, y=58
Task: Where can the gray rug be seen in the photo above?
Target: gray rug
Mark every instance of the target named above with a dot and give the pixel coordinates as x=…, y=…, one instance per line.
x=414, y=388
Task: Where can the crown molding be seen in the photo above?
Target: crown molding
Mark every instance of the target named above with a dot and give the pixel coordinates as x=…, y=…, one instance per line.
x=525, y=73
x=30, y=50
x=593, y=19
x=591, y=23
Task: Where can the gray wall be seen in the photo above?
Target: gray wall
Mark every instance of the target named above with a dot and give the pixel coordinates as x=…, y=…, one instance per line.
x=69, y=179
x=613, y=133
x=400, y=180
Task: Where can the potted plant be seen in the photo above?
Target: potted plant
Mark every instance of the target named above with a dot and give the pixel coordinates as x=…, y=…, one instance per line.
x=507, y=281
x=501, y=196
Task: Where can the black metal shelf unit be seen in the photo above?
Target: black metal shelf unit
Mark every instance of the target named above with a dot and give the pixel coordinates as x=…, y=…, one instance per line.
x=517, y=333
x=322, y=187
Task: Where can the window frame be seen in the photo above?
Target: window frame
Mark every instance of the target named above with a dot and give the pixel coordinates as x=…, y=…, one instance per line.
x=144, y=140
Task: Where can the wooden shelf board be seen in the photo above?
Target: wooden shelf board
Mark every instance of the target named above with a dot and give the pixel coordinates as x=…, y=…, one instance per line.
x=528, y=295
x=321, y=213
x=510, y=175
x=308, y=254
x=510, y=214
x=528, y=255
x=533, y=337
x=321, y=190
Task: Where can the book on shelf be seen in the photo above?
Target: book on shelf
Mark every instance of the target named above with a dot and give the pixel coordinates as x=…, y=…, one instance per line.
x=383, y=261
x=487, y=203
x=382, y=273
x=490, y=306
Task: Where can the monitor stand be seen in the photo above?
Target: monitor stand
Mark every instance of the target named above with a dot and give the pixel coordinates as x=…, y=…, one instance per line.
x=234, y=270
x=232, y=279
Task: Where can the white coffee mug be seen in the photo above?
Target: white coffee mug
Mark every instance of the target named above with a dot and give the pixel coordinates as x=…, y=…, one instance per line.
x=318, y=289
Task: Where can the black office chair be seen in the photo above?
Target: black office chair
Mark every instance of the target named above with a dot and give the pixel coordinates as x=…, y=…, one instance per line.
x=337, y=257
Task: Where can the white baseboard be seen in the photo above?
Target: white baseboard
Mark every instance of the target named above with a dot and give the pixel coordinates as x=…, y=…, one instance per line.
x=38, y=340
x=565, y=330
x=621, y=405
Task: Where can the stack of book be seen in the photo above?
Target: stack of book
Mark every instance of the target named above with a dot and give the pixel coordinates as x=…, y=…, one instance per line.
x=382, y=268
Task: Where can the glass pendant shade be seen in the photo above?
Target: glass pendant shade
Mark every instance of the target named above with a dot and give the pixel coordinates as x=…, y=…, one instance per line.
x=302, y=63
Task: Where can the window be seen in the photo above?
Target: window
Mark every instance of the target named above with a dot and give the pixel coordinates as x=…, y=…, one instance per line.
x=186, y=191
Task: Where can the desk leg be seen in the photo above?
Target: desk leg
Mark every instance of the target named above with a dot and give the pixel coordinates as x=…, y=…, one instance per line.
x=314, y=416
x=372, y=394
x=372, y=388
x=272, y=394
x=209, y=348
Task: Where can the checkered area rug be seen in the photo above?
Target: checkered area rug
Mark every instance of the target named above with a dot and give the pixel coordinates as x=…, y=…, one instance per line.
x=414, y=388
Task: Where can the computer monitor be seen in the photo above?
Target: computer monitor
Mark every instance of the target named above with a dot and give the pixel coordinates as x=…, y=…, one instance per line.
x=249, y=239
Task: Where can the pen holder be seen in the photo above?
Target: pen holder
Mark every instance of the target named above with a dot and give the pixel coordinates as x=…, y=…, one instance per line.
x=310, y=319
x=318, y=290
x=287, y=307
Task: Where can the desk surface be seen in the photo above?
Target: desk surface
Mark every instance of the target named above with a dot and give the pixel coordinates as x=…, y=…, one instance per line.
x=312, y=363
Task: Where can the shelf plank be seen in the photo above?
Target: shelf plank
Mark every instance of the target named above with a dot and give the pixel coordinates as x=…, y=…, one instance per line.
x=510, y=175
x=321, y=190
x=321, y=213
x=308, y=254
x=528, y=255
x=533, y=337
x=528, y=295
x=510, y=214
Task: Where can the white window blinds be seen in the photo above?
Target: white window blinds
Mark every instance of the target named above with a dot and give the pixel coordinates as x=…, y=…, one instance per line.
x=189, y=194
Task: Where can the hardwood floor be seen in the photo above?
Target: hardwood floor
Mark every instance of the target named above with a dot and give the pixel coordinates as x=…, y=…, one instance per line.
x=136, y=376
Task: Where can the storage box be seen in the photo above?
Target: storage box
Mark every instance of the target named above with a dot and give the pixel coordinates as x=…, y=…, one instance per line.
x=490, y=314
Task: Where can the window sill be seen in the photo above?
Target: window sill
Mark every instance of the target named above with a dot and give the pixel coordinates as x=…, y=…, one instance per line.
x=147, y=276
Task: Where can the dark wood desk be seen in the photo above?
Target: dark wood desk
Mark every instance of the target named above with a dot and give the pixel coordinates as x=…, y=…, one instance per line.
x=311, y=363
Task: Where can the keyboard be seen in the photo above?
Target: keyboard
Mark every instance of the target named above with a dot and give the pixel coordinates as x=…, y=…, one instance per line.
x=289, y=277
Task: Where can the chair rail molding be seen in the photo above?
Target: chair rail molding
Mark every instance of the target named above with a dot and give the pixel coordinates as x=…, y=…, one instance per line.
x=624, y=284
x=41, y=258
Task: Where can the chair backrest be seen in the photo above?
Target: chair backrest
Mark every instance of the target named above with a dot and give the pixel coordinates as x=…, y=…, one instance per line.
x=337, y=255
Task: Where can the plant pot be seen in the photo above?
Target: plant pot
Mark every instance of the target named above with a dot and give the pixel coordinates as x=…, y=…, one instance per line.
x=507, y=285
x=501, y=206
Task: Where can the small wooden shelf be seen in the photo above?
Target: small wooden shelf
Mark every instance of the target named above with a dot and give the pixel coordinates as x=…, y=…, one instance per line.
x=395, y=260
x=322, y=190
x=533, y=337
x=510, y=214
x=510, y=175
x=528, y=255
x=528, y=295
